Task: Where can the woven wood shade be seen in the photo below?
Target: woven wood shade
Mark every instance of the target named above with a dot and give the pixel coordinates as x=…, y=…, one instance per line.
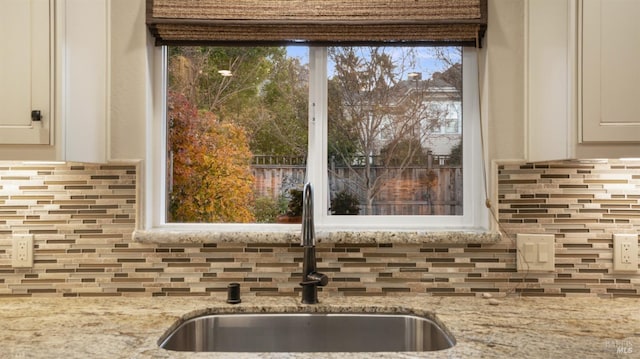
x=220, y=22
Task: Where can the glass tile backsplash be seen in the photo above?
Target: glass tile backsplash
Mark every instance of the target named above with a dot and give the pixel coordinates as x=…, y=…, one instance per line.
x=82, y=217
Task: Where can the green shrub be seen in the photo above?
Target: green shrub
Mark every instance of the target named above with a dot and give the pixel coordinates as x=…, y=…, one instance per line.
x=345, y=203
x=294, y=208
x=267, y=209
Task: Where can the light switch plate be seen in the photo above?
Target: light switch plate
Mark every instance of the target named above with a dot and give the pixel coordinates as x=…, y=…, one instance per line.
x=535, y=252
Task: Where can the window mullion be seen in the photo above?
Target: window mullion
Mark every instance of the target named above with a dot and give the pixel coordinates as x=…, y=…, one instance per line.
x=475, y=213
x=156, y=169
x=317, y=143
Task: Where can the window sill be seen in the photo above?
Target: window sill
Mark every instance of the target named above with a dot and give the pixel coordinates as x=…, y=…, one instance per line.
x=175, y=236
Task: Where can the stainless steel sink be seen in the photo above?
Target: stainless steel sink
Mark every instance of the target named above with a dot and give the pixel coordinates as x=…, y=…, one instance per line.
x=308, y=332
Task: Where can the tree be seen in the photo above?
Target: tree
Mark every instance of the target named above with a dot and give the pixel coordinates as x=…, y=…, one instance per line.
x=254, y=96
x=219, y=79
x=280, y=127
x=264, y=91
x=212, y=180
x=455, y=156
x=451, y=58
x=407, y=152
x=342, y=134
x=376, y=109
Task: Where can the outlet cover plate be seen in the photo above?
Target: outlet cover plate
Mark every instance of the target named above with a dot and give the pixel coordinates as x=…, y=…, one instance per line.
x=22, y=256
x=625, y=252
x=535, y=252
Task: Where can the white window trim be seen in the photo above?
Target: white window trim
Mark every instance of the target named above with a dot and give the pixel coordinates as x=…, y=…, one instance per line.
x=475, y=217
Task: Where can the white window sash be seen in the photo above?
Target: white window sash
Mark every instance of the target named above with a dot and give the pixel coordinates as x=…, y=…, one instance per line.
x=475, y=215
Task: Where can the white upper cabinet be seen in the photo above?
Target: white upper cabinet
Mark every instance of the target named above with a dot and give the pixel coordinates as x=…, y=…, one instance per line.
x=26, y=75
x=582, y=98
x=610, y=71
x=54, y=58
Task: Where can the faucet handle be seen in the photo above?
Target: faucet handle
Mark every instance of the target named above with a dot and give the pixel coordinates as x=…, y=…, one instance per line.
x=316, y=278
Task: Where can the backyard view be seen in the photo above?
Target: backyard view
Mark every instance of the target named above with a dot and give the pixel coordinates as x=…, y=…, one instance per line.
x=238, y=129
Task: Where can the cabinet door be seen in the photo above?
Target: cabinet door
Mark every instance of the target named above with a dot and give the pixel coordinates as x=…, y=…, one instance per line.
x=610, y=71
x=25, y=71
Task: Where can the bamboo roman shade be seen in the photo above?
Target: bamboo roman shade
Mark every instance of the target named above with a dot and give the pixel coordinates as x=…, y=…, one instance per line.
x=219, y=22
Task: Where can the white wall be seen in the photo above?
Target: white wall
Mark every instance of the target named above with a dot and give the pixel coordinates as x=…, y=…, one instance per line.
x=130, y=85
x=502, y=66
x=502, y=78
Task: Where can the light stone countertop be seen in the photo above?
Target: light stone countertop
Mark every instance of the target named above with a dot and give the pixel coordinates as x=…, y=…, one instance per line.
x=105, y=327
x=169, y=236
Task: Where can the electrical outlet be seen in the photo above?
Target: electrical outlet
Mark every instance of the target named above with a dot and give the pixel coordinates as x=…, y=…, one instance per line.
x=22, y=251
x=625, y=252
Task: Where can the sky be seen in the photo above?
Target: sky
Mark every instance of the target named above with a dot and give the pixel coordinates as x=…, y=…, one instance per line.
x=427, y=64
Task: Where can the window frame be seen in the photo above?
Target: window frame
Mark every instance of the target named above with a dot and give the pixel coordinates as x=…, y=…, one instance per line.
x=474, y=218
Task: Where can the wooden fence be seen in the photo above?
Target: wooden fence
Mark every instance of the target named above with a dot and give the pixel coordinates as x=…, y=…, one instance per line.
x=414, y=191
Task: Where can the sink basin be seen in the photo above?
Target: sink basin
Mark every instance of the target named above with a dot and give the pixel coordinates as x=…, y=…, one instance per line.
x=307, y=332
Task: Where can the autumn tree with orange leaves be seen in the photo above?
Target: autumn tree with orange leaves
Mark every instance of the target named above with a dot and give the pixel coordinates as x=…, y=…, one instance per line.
x=212, y=180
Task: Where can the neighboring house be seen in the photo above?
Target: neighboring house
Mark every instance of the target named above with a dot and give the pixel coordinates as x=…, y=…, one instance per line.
x=440, y=129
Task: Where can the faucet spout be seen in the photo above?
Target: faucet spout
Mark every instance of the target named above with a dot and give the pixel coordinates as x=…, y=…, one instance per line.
x=308, y=229
x=311, y=279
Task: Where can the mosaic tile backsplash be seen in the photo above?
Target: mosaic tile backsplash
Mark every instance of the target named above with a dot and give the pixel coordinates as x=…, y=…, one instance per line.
x=82, y=217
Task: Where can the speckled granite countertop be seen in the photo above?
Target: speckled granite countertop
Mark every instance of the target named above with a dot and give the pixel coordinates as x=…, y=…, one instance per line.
x=334, y=236
x=515, y=328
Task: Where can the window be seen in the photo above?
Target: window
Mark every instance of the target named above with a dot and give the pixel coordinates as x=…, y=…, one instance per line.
x=381, y=132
